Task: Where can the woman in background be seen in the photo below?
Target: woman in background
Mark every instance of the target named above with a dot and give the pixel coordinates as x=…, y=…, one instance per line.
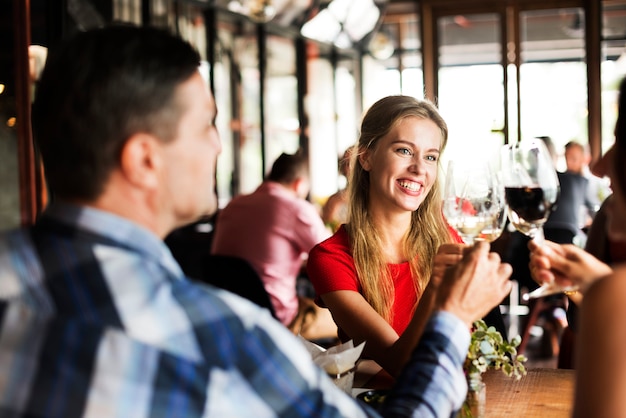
x=335, y=210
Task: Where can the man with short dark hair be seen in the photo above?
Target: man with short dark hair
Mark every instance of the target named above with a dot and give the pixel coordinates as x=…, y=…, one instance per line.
x=96, y=317
x=273, y=229
x=577, y=159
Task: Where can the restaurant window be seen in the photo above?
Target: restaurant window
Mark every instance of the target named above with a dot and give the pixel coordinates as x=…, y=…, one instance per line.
x=393, y=63
x=251, y=170
x=613, y=66
x=127, y=11
x=163, y=13
x=471, y=84
x=333, y=108
x=553, y=76
x=225, y=74
x=412, y=74
x=320, y=109
x=381, y=77
x=348, y=107
x=191, y=27
x=282, y=126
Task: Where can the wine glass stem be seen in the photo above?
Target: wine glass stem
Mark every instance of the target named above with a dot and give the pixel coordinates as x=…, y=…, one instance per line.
x=538, y=236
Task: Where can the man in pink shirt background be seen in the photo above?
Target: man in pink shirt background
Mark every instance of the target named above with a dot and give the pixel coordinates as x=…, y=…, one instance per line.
x=273, y=229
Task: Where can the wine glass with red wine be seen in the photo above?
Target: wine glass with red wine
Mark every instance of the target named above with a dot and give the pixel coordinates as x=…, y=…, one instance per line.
x=531, y=188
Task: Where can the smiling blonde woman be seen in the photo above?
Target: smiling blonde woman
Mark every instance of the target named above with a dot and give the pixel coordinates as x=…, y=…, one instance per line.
x=373, y=273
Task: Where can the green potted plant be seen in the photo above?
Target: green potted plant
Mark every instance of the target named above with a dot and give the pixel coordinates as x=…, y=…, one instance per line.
x=488, y=350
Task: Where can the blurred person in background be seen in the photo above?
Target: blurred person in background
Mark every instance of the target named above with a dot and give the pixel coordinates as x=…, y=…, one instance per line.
x=565, y=223
x=577, y=160
x=600, y=360
x=274, y=228
x=335, y=210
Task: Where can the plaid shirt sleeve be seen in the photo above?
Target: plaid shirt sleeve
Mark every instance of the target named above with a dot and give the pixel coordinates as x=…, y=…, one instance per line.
x=433, y=383
x=90, y=328
x=251, y=365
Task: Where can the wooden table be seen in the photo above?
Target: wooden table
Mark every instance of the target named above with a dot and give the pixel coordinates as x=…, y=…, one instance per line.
x=541, y=393
x=545, y=393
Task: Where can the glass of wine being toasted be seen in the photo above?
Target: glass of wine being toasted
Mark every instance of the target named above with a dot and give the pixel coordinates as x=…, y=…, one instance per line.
x=531, y=188
x=473, y=200
x=493, y=229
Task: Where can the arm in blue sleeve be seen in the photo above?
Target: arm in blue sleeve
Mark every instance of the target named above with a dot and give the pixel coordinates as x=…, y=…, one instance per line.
x=433, y=383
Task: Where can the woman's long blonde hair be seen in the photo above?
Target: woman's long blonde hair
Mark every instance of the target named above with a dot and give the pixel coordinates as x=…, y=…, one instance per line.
x=428, y=228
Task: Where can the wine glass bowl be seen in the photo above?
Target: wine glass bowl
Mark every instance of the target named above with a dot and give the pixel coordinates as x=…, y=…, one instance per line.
x=531, y=185
x=472, y=201
x=529, y=209
x=493, y=229
x=531, y=189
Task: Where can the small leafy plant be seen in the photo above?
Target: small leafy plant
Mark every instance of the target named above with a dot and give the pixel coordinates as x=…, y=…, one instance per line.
x=488, y=350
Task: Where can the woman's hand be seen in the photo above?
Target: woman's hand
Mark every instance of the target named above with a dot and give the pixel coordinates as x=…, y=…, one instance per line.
x=447, y=255
x=565, y=263
x=475, y=285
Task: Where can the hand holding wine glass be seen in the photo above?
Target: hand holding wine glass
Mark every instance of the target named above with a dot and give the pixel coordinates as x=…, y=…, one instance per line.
x=566, y=263
x=531, y=189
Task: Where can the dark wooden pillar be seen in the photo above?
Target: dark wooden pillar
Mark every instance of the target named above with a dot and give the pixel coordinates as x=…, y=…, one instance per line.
x=593, y=28
x=29, y=206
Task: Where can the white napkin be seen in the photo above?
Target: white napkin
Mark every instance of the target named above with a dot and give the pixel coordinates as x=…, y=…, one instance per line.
x=338, y=361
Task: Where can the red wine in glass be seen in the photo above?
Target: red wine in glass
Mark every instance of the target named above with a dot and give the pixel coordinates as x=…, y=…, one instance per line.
x=529, y=207
x=531, y=189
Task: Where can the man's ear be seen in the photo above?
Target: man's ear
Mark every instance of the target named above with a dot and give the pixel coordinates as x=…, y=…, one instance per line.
x=297, y=185
x=140, y=160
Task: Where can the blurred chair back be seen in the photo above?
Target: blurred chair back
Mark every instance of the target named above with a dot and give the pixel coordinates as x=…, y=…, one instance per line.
x=231, y=273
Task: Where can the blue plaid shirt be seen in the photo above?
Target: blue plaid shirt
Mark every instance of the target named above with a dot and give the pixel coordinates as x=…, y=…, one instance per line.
x=98, y=320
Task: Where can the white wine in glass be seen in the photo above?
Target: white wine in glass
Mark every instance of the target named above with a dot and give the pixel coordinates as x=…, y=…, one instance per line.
x=493, y=229
x=470, y=200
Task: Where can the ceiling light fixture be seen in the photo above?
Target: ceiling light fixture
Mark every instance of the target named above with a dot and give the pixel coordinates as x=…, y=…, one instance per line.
x=260, y=11
x=344, y=22
x=381, y=47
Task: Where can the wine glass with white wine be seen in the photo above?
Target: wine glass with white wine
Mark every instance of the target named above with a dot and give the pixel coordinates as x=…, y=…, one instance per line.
x=493, y=229
x=473, y=201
